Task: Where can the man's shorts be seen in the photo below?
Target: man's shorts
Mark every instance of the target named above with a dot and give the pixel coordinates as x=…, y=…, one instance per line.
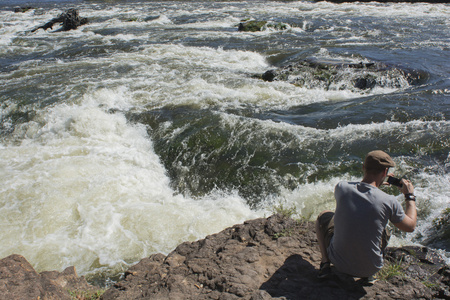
x=326, y=226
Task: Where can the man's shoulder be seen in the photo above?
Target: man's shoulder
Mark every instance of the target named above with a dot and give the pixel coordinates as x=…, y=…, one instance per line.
x=347, y=184
x=345, y=187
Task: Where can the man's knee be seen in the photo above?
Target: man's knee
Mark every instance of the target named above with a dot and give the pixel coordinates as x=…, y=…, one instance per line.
x=320, y=220
x=325, y=226
x=324, y=218
x=324, y=212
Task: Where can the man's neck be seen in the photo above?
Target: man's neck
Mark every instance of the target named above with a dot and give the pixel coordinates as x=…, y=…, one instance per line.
x=371, y=182
x=374, y=179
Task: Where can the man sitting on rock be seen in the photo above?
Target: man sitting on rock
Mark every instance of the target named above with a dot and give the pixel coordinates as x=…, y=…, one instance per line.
x=354, y=237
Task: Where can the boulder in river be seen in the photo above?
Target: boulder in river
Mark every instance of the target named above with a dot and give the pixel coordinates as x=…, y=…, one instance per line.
x=69, y=20
x=254, y=26
x=22, y=9
x=341, y=75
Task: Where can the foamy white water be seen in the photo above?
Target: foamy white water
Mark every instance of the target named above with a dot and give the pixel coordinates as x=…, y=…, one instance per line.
x=88, y=189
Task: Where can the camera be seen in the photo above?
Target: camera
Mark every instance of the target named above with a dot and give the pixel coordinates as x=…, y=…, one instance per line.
x=394, y=181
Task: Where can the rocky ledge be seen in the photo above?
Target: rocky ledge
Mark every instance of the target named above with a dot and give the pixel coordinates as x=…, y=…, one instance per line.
x=267, y=258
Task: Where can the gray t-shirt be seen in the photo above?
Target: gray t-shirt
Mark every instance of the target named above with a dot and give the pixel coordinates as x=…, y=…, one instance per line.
x=362, y=213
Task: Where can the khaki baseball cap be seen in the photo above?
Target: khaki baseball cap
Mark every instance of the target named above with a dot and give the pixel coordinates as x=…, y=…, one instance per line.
x=378, y=160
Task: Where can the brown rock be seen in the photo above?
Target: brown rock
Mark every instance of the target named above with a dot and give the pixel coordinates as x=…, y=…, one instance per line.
x=273, y=258
x=18, y=280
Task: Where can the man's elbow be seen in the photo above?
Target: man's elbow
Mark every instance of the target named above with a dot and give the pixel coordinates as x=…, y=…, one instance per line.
x=412, y=224
x=406, y=226
x=410, y=229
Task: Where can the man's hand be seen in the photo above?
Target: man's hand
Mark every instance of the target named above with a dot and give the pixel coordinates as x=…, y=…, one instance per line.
x=408, y=223
x=407, y=187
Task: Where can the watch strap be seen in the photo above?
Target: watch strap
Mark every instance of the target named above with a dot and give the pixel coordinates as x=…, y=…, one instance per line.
x=410, y=197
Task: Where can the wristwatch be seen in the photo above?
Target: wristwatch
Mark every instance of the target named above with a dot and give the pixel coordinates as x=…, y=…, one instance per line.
x=410, y=197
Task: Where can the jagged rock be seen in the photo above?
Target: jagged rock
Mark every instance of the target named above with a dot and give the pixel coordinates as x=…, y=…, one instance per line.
x=69, y=20
x=273, y=258
x=18, y=280
x=337, y=75
x=267, y=258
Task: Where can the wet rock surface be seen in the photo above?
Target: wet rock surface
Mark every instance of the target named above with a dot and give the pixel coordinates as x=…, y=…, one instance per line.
x=439, y=234
x=69, y=20
x=341, y=75
x=22, y=9
x=254, y=26
x=267, y=258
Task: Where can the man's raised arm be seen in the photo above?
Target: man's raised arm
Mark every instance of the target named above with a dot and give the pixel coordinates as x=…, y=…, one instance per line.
x=409, y=222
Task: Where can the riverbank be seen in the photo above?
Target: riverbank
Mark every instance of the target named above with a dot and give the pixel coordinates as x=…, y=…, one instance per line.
x=266, y=258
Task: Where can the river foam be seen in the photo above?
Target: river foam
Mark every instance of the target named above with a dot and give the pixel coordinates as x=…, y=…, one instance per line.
x=87, y=188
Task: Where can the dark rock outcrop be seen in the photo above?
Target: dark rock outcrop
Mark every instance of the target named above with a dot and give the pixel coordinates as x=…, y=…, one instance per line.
x=22, y=9
x=69, y=20
x=251, y=26
x=337, y=75
x=18, y=280
x=254, y=26
x=267, y=258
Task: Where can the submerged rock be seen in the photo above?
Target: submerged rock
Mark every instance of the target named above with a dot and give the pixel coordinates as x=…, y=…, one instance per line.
x=337, y=75
x=267, y=258
x=254, y=26
x=22, y=9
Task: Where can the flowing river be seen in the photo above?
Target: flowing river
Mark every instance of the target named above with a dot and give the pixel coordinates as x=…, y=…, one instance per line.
x=150, y=125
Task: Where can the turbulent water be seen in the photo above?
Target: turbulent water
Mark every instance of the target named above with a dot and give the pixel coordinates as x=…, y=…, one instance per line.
x=150, y=125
